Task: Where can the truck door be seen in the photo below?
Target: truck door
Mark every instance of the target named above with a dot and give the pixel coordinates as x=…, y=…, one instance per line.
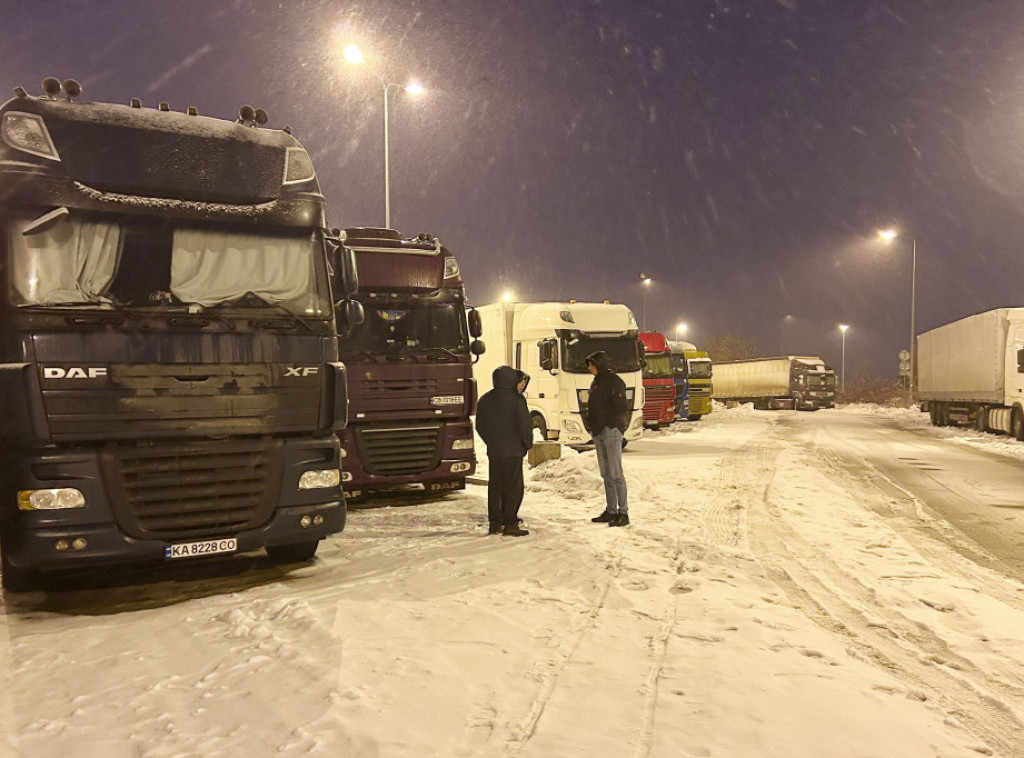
x=1015, y=365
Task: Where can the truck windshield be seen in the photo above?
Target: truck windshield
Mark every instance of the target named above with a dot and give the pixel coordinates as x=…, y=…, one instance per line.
x=657, y=367
x=822, y=381
x=700, y=369
x=623, y=351
x=393, y=325
x=679, y=366
x=81, y=261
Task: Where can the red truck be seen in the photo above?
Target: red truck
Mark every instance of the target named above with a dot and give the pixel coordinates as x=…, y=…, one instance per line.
x=409, y=363
x=659, y=384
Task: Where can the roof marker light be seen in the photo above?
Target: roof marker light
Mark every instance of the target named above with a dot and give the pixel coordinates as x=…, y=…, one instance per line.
x=164, y=106
x=136, y=103
x=192, y=111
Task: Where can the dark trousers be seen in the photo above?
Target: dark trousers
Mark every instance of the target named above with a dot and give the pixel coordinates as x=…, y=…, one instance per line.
x=504, y=490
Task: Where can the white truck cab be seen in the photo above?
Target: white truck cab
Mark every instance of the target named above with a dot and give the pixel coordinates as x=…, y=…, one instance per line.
x=550, y=342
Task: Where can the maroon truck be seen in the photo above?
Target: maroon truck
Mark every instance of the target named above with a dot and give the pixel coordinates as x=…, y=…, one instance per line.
x=410, y=381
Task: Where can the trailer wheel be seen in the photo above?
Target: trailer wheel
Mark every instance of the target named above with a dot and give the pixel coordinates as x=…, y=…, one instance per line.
x=933, y=413
x=296, y=553
x=981, y=419
x=1017, y=424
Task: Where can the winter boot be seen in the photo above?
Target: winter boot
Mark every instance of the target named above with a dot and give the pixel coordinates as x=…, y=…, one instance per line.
x=515, y=531
x=605, y=518
x=621, y=519
x=494, y=528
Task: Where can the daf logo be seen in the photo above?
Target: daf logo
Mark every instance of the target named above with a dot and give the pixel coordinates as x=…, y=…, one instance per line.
x=301, y=370
x=94, y=372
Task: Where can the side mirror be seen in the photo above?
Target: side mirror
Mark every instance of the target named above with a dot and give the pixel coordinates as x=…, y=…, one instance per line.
x=477, y=348
x=547, y=355
x=350, y=314
x=475, y=327
x=348, y=276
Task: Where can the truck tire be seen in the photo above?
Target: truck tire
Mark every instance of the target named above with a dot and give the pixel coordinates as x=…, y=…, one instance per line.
x=15, y=579
x=297, y=553
x=694, y=417
x=981, y=419
x=539, y=423
x=933, y=413
x=1017, y=423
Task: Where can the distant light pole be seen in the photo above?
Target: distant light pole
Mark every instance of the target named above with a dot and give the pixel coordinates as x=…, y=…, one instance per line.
x=782, y=336
x=843, y=328
x=645, y=282
x=889, y=235
x=681, y=328
x=353, y=55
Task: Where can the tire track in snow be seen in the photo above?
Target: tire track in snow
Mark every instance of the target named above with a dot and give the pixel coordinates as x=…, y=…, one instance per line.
x=837, y=602
x=586, y=621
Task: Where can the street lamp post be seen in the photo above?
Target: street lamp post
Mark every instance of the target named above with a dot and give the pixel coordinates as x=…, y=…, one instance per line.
x=353, y=55
x=891, y=234
x=843, y=328
x=645, y=282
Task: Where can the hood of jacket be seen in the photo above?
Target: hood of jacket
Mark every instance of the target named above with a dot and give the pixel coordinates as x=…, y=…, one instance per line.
x=601, y=360
x=522, y=376
x=505, y=378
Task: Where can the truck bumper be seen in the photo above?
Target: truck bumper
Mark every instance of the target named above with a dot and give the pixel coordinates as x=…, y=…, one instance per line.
x=36, y=548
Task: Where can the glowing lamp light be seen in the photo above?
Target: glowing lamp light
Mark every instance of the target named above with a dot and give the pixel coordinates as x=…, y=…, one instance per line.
x=414, y=88
x=352, y=55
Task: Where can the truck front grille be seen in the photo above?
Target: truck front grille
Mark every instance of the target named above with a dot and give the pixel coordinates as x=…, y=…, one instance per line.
x=181, y=491
x=399, y=450
x=659, y=392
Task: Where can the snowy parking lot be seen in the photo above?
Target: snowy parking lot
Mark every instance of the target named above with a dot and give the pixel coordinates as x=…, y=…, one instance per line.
x=782, y=591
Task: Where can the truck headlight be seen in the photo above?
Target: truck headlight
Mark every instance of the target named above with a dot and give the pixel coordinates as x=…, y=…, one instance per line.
x=320, y=478
x=638, y=423
x=572, y=426
x=50, y=500
x=466, y=443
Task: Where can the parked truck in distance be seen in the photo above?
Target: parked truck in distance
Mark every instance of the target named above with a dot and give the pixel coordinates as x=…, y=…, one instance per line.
x=169, y=379
x=659, y=385
x=411, y=388
x=550, y=342
x=803, y=383
x=692, y=371
x=971, y=371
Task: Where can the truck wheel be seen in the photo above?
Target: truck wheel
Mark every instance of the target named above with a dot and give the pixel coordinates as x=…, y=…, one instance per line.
x=694, y=417
x=538, y=423
x=933, y=413
x=297, y=553
x=981, y=419
x=15, y=579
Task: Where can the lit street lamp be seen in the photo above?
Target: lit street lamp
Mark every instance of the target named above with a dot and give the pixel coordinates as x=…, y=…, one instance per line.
x=646, y=282
x=843, y=328
x=889, y=235
x=680, y=330
x=353, y=55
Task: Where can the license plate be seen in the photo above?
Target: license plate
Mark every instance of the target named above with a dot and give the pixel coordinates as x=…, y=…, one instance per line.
x=197, y=549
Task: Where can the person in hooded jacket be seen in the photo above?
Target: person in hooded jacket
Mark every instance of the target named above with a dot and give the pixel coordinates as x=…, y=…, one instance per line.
x=504, y=424
x=608, y=414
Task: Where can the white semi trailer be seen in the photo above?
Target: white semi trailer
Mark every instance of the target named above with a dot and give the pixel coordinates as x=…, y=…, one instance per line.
x=971, y=371
x=803, y=383
x=550, y=342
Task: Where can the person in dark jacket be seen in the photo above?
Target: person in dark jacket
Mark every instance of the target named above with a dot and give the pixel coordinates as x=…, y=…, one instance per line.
x=503, y=423
x=608, y=412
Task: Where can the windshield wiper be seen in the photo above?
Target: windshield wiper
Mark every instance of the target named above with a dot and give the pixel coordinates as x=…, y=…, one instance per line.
x=98, y=304
x=251, y=298
x=436, y=348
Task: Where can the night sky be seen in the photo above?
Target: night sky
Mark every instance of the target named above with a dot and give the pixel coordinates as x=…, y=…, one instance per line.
x=741, y=153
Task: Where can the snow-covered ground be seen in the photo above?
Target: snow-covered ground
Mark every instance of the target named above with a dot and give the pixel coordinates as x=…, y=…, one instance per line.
x=764, y=602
